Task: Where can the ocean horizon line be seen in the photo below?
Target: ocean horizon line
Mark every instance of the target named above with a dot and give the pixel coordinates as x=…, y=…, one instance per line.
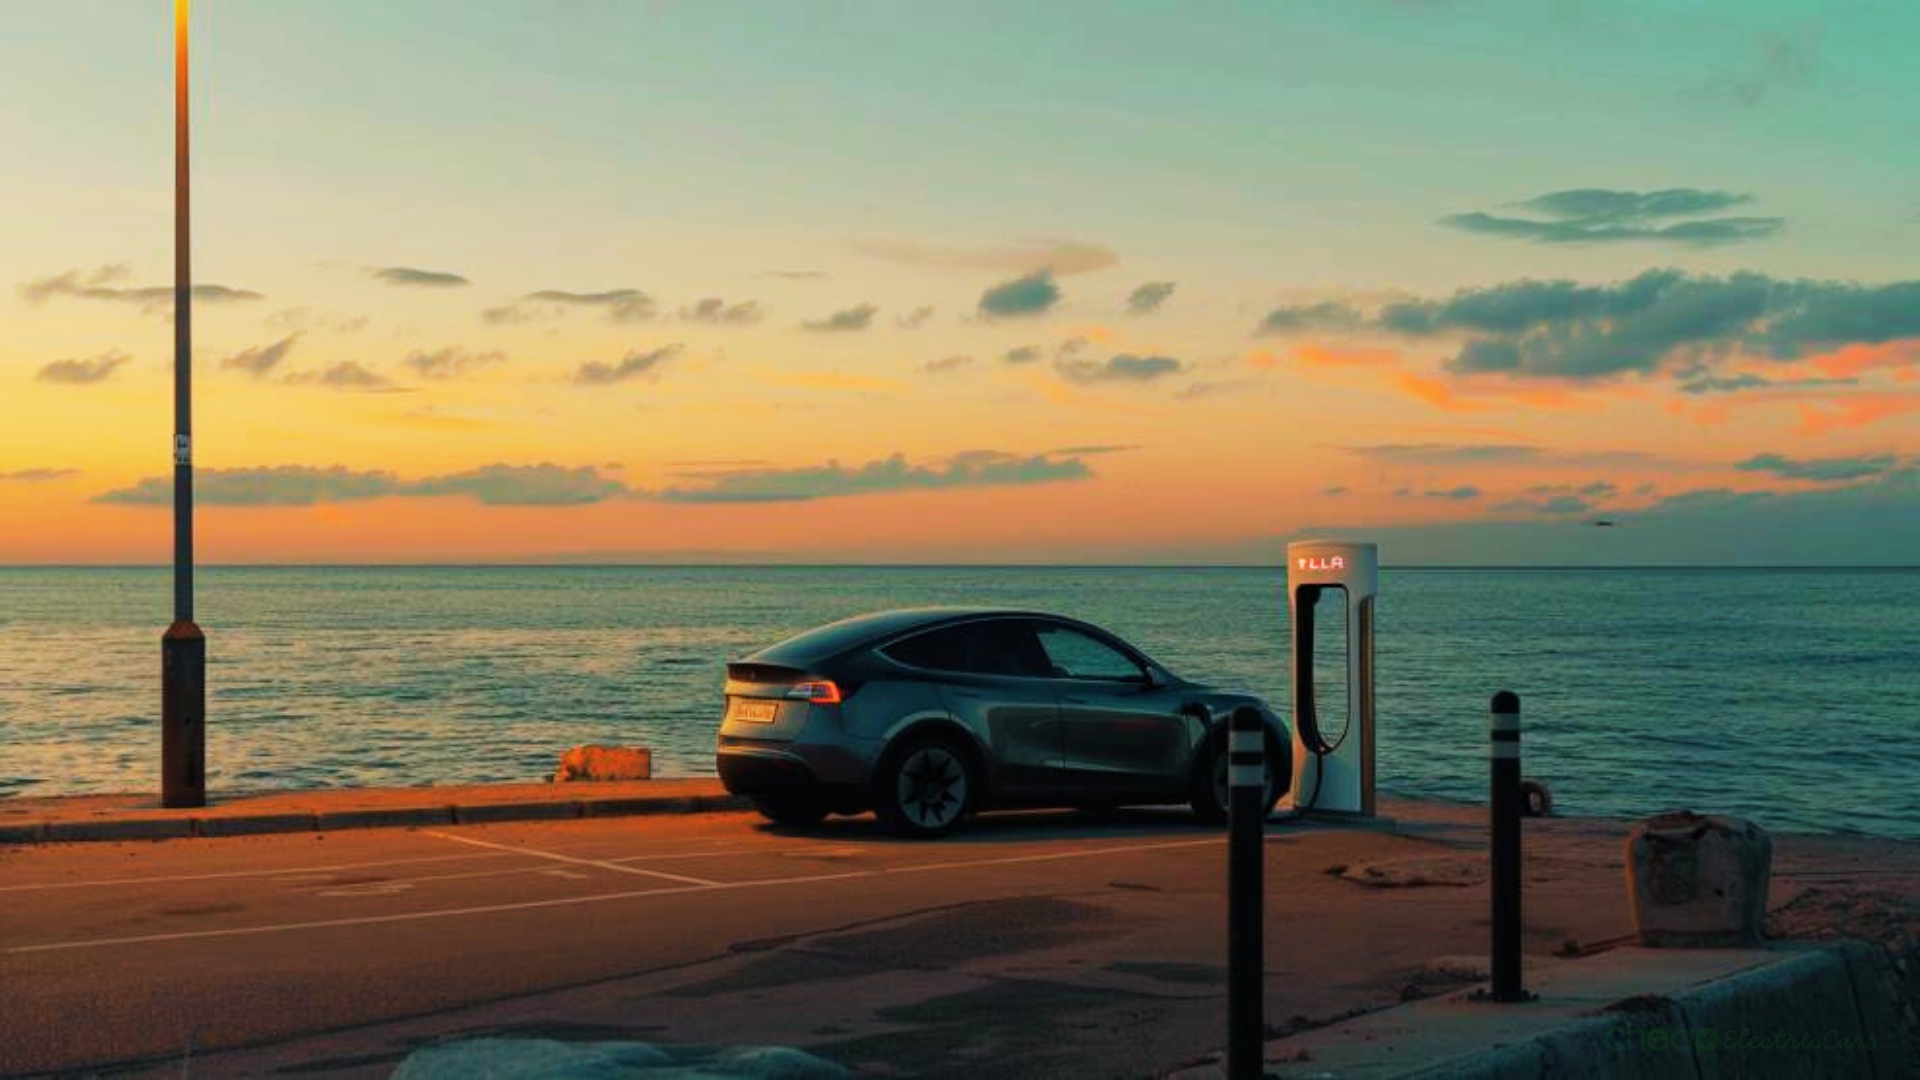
x=781, y=565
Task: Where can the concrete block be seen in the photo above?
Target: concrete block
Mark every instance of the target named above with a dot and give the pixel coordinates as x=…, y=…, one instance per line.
x=1698, y=881
x=121, y=829
x=605, y=763
x=379, y=819
x=1793, y=1018
x=254, y=824
x=528, y=811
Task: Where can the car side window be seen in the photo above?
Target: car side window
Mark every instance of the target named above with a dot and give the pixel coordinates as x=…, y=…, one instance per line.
x=1074, y=655
x=935, y=650
x=992, y=647
x=1005, y=647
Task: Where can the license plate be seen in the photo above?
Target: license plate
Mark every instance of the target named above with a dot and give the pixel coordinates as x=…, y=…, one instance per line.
x=758, y=712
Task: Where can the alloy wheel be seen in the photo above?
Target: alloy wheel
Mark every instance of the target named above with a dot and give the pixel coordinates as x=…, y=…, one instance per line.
x=932, y=788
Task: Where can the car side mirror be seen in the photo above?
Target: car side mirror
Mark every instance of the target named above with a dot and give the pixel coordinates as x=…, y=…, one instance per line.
x=1156, y=678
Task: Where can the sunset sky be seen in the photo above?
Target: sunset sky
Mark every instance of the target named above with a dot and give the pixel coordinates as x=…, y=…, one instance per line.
x=1058, y=282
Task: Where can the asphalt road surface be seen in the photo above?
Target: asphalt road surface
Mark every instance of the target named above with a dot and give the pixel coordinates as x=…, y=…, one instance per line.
x=1028, y=945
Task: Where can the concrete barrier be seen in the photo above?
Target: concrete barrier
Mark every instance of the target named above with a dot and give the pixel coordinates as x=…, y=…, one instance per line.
x=1609, y=1047
x=1796, y=1017
x=1793, y=1010
x=1876, y=988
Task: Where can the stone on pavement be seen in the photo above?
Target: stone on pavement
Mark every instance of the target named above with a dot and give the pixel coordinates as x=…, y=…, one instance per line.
x=592, y=762
x=1698, y=880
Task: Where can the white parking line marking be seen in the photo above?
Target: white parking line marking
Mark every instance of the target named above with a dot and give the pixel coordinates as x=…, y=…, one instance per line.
x=535, y=868
x=736, y=853
x=556, y=857
x=597, y=898
x=372, y=888
x=291, y=871
x=1005, y=860
x=364, y=920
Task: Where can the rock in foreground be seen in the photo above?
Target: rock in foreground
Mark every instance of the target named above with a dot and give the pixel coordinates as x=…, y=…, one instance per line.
x=605, y=763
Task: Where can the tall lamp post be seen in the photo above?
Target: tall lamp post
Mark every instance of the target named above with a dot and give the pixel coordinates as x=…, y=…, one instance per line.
x=183, y=648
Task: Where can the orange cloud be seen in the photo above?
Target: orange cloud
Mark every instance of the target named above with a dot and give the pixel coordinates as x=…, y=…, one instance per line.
x=1450, y=394
x=1329, y=357
x=1851, y=360
x=1711, y=415
x=1550, y=398
x=1434, y=392
x=1853, y=412
x=1702, y=413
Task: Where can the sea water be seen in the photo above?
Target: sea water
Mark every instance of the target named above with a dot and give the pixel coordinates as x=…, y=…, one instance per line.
x=1790, y=696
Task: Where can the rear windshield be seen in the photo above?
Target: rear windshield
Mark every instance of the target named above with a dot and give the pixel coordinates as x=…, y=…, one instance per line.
x=833, y=639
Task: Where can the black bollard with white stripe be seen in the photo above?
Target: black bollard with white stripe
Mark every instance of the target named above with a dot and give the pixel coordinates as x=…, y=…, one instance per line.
x=1246, y=891
x=1505, y=802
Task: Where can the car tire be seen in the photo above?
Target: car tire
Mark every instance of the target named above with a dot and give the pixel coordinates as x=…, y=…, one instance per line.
x=790, y=809
x=925, y=786
x=1206, y=795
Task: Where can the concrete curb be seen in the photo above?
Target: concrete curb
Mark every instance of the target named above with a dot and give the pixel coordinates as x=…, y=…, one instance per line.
x=131, y=829
x=397, y=817
x=255, y=824
x=477, y=815
x=32, y=833
x=626, y=807
x=169, y=828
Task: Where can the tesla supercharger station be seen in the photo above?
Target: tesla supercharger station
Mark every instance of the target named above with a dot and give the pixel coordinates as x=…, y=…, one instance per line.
x=1330, y=593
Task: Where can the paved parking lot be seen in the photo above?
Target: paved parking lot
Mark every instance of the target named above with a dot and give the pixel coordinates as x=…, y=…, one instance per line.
x=1028, y=945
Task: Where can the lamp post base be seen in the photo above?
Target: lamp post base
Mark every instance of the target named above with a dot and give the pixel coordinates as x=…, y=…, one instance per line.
x=183, y=716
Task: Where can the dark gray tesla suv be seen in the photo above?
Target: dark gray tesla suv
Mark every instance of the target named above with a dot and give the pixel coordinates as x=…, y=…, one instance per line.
x=927, y=715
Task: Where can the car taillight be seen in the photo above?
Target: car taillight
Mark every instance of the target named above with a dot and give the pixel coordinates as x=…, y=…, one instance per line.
x=819, y=692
